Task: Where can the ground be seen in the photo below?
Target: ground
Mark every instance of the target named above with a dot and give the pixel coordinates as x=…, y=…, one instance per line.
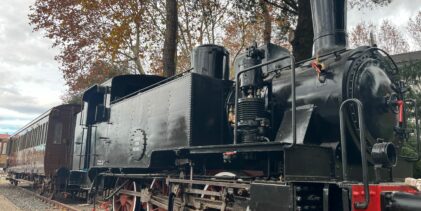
x=5, y=204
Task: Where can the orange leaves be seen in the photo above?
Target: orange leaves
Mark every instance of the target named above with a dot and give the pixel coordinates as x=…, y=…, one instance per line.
x=88, y=31
x=128, y=35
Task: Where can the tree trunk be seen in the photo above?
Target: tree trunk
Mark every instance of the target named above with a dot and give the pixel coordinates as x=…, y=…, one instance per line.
x=170, y=43
x=267, y=29
x=302, y=43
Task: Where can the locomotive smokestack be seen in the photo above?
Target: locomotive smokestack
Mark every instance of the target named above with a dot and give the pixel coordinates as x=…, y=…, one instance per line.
x=329, y=25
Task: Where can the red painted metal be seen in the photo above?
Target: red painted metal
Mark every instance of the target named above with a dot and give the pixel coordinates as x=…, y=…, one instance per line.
x=400, y=104
x=375, y=194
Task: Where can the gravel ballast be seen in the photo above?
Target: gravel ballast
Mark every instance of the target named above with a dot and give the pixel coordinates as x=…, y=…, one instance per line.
x=21, y=199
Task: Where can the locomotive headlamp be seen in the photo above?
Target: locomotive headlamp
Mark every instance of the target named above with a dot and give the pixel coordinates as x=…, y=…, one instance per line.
x=384, y=154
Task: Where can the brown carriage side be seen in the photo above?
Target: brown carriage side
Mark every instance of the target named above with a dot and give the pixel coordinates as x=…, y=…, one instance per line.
x=61, y=125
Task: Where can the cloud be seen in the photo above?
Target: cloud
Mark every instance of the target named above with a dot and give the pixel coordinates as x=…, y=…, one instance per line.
x=30, y=81
x=11, y=120
x=18, y=37
x=15, y=101
x=398, y=12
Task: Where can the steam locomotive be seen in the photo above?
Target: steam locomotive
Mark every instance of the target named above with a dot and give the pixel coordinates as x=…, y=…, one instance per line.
x=320, y=134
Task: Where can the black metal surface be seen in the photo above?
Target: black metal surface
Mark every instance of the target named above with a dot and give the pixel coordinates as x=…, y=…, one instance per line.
x=271, y=57
x=340, y=83
x=254, y=77
x=262, y=197
x=244, y=147
x=359, y=205
x=237, y=87
x=329, y=25
x=399, y=201
x=250, y=110
x=211, y=60
x=384, y=154
x=302, y=121
x=402, y=170
x=124, y=85
x=186, y=111
x=308, y=163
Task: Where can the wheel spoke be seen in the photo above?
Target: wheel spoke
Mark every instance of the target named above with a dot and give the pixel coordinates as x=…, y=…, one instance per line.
x=124, y=202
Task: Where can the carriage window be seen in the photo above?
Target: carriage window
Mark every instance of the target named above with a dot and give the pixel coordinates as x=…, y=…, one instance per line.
x=57, y=132
x=27, y=139
x=23, y=141
x=39, y=135
x=36, y=143
x=31, y=139
x=19, y=142
x=44, y=133
x=3, y=151
x=34, y=138
x=14, y=145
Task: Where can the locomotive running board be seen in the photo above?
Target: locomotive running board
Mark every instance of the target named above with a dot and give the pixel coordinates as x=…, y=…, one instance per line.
x=247, y=147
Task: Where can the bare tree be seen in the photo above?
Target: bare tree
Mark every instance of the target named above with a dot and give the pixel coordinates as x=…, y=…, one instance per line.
x=414, y=28
x=388, y=37
x=391, y=39
x=360, y=35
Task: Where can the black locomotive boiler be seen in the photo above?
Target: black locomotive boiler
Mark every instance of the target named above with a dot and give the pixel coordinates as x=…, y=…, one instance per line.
x=320, y=134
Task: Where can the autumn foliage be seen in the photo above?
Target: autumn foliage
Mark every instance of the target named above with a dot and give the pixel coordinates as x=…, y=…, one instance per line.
x=93, y=32
x=127, y=36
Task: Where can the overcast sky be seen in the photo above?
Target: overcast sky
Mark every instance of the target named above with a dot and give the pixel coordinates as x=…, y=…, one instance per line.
x=30, y=82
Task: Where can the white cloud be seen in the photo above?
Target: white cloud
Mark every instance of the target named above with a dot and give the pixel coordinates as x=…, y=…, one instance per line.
x=398, y=12
x=30, y=81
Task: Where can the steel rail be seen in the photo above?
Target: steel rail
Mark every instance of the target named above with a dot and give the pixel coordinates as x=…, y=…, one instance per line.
x=50, y=201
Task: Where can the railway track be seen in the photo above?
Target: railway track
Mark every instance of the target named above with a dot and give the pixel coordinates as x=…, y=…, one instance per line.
x=24, y=188
x=55, y=204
